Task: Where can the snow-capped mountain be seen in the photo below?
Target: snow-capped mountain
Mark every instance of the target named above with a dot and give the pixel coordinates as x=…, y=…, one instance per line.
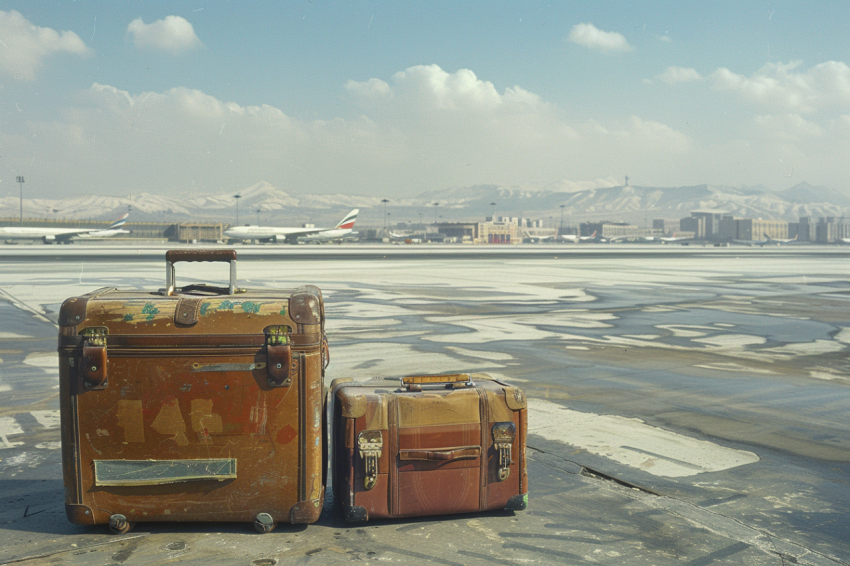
x=276, y=207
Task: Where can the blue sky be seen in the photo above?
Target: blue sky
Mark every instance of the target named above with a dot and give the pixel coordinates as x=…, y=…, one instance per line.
x=394, y=98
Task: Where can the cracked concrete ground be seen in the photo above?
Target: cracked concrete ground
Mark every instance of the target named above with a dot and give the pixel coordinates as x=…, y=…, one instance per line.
x=695, y=401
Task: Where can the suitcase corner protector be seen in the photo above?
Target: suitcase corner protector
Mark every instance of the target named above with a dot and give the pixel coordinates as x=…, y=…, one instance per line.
x=517, y=503
x=306, y=511
x=355, y=513
x=79, y=514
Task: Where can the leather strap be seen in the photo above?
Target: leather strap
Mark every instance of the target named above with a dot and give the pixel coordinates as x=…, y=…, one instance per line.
x=442, y=454
x=484, y=470
x=93, y=365
x=279, y=362
x=187, y=311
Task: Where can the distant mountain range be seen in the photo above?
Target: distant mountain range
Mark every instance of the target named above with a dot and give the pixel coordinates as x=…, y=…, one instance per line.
x=624, y=203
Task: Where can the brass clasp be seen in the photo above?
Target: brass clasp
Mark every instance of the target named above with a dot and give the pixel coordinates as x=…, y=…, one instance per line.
x=503, y=437
x=370, y=443
x=95, y=335
x=93, y=360
x=281, y=364
x=278, y=335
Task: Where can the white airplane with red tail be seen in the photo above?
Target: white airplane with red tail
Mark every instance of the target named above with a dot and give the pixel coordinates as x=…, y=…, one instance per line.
x=291, y=235
x=62, y=235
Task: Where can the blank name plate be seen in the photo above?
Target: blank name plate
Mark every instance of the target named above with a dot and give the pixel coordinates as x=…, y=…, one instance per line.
x=157, y=472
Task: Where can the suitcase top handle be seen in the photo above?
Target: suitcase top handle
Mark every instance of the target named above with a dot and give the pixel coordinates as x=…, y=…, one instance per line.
x=452, y=381
x=174, y=256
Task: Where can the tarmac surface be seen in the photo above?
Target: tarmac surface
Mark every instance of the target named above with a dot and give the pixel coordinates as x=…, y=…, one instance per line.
x=687, y=405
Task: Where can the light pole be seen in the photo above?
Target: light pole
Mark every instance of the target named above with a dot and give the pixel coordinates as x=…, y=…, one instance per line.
x=385, y=201
x=237, y=197
x=258, y=217
x=20, y=181
x=493, y=212
x=562, y=218
x=436, y=204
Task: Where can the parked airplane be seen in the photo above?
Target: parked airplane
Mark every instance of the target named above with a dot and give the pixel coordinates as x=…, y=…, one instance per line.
x=576, y=239
x=536, y=239
x=673, y=239
x=779, y=242
x=291, y=235
x=62, y=235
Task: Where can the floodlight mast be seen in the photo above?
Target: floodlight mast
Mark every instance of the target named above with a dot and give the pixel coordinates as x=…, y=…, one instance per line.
x=385, y=201
x=237, y=197
x=20, y=181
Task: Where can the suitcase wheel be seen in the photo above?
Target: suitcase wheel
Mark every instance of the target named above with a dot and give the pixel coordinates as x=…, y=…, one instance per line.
x=263, y=523
x=119, y=524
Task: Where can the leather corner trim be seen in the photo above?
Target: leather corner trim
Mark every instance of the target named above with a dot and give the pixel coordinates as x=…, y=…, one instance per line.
x=79, y=514
x=305, y=305
x=353, y=406
x=517, y=503
x=305, y=512
x=355, y=513
x=187, y=311
x=73, y=310
x=339, y=381
x=515, y=398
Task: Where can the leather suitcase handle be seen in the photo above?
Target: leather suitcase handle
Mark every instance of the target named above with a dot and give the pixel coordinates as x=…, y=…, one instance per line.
x=174, y=256
x=441, y=454
x=226, y=256
x=417, y=387
x=453, y=381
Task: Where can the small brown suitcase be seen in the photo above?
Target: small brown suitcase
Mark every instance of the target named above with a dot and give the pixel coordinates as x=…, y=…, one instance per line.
x=428, y=445
x=193, y=404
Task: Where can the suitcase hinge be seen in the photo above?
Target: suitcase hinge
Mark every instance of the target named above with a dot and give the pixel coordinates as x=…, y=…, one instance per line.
x=281, y=365
x=503, y=437
x=93, y=361
x=370, y=443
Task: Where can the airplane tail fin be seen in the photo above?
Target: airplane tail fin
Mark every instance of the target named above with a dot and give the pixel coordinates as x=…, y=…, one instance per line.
x=347, y=223
x=118, y=224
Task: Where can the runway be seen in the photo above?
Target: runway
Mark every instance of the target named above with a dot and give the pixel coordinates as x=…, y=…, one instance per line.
x=687, y=404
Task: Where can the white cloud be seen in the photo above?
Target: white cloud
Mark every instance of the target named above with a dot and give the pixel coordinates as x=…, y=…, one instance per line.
x=428, y=87
x=422, y=129
x=173, y=34
x=588, y=35
x=664, y=38
x=24, y=45
x=369, y=91
x=785, y=86
x=675, y=75
x=788, y=127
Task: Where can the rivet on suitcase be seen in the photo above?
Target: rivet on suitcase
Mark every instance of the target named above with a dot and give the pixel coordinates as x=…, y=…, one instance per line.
x=197, y=403
x=428, y=445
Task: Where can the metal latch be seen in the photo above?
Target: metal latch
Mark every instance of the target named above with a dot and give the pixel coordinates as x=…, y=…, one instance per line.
x=370, y=443
x=93, y=361
x=503, y=437
x=281, y=364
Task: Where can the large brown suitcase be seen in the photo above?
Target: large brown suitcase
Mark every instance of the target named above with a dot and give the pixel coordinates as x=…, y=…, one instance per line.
x=428, y=445
x=197, y=403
